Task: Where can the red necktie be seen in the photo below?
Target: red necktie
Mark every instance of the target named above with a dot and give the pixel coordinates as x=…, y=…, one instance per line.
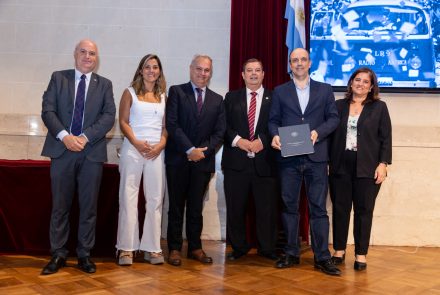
x=251, y=115
x=199, y=100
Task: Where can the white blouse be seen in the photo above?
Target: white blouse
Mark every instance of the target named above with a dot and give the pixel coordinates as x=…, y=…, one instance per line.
x=351, y=142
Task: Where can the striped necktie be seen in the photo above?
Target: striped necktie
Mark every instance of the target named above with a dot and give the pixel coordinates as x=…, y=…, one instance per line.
x=251, y=115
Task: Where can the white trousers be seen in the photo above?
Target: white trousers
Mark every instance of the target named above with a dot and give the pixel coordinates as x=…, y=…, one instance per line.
x=131, y=167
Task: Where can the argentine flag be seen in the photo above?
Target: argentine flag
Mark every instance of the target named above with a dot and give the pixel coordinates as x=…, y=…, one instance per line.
x=296, y=29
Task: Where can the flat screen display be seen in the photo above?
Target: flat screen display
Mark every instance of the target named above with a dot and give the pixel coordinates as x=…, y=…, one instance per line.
x=398, y=39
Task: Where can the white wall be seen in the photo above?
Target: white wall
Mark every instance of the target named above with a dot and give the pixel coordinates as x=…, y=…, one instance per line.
x=38, y=37
x=408, y=206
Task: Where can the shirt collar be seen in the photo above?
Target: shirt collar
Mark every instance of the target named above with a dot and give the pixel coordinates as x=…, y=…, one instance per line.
x=78, y=75
x=194, y=87
x=307, y=85
x=259, y=91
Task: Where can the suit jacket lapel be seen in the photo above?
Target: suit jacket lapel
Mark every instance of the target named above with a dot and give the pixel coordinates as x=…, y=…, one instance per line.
x=344, y=115
x=365, y=113
x=191, y=97
x=90, y=98
x=264, y=109
x=92, y=89
x=313, y=94
x=206, y=103
x=295, y=96
x=71, y=83
x=242, y=101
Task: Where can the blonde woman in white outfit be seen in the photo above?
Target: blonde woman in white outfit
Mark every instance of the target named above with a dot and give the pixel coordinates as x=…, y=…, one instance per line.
x=141, y=118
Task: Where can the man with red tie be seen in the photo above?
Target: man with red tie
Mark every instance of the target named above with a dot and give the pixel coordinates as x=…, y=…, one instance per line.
x=249, y=165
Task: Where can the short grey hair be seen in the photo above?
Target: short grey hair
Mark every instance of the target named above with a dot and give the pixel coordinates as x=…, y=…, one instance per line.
x=197, y=56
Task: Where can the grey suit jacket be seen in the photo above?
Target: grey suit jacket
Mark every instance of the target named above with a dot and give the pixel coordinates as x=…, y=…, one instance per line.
x=99, y=113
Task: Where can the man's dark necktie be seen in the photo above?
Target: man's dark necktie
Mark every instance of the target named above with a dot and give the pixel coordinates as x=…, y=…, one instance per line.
x=199, y=100
x=78, y=111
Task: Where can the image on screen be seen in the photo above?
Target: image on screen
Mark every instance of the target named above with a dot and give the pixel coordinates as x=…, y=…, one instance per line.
x=398, y=39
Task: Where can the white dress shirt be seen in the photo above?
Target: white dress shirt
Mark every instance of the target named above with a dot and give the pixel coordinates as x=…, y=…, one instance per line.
x=260, y=93
x=78, y=75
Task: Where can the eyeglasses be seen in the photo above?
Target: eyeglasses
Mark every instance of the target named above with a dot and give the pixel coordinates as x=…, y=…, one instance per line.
x=84, y=52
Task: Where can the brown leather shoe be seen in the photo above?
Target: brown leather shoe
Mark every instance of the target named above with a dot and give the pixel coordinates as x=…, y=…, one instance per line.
x=175, y=258
x=200, y=255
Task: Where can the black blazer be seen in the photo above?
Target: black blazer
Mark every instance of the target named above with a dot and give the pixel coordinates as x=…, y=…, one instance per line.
x=99, y=113
x=373, y=138
x=187, y=129
x=237, y=124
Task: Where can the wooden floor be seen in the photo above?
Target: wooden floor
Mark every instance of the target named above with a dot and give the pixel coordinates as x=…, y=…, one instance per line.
x=391, y=270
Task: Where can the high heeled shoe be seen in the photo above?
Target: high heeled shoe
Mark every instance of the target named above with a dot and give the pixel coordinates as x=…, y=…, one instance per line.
x=360, y=265
x=338, y=260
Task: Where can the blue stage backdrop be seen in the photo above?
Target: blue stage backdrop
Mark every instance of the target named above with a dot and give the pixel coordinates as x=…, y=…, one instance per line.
x=397, y=39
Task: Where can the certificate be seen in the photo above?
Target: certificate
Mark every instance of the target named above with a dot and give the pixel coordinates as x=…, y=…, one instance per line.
x=295, y=140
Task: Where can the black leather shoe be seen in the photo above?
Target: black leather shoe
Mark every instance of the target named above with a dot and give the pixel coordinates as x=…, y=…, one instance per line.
x=338, y=260
x=55, y=263
x=327, y=267
x=86, y=265
x=360, y=265
x=269, y=255
x=234, y=255
x=287, y=261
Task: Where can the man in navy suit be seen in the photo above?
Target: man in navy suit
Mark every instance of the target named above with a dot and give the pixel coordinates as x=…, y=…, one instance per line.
x=195, y=121
x=78, y=110
x=299, y=101
x=248, y=164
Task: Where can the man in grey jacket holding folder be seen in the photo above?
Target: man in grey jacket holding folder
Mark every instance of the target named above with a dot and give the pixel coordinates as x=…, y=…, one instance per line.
x=304, y=101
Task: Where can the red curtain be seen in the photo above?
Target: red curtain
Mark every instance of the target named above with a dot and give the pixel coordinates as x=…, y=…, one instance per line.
x=258, y=30
x=26, y=202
